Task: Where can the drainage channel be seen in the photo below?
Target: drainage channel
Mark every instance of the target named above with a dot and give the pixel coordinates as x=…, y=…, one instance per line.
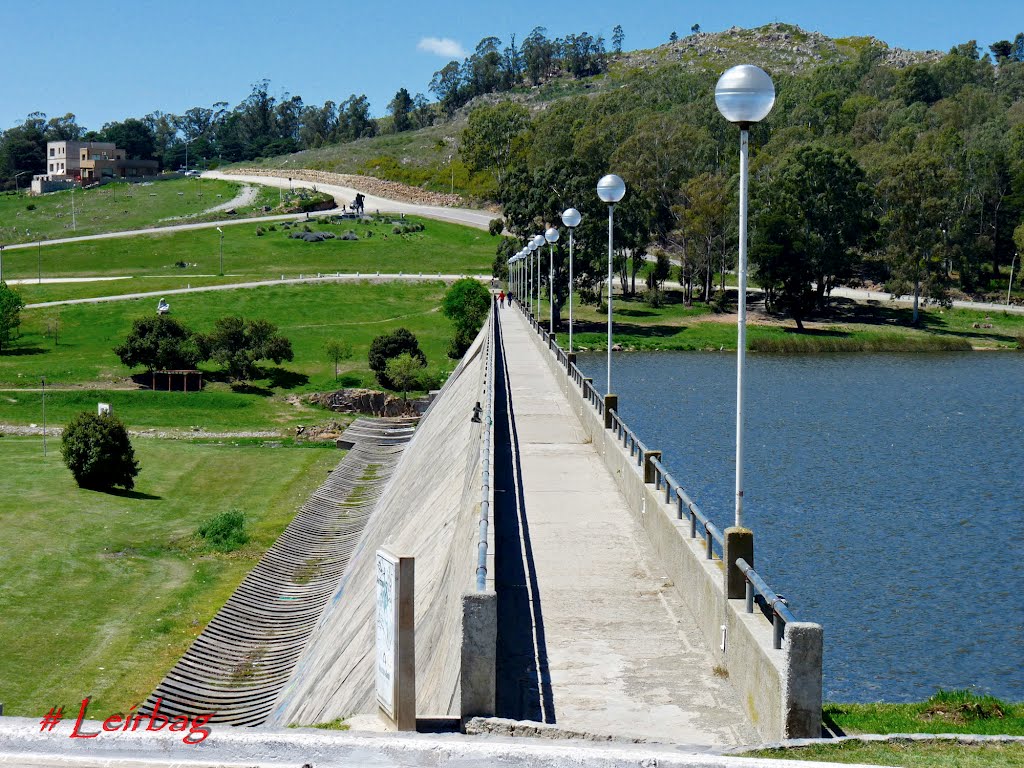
x=242, y=659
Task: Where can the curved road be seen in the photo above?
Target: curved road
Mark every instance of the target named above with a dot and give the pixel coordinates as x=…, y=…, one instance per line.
x=466, y=216
x=345, y=195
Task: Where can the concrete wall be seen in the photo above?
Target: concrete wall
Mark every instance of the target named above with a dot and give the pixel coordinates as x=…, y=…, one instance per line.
x=780, y=689
x=430, y=509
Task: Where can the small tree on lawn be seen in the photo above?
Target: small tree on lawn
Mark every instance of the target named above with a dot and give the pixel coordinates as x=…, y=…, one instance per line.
x=98, y=452
x=238, y=344
x=405, y=371
x=391, y=345
x=336, y=352
x=466, y=304
x=161, y=343
x=11, y=305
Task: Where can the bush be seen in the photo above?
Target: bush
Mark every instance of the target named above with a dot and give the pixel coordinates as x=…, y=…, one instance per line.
x=389, y=346
x=496, y=227
x=720, y=302
x=466, y=304
x=30, y=207
x=654, y=298
x=161, y=343
x=98, y=452
x=224, y=532
x=260, y=231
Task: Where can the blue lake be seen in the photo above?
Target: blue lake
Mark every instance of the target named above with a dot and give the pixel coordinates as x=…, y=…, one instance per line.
x=885, y=494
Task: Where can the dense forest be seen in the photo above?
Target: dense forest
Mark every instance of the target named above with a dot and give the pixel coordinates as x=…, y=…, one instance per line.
x=912, y=178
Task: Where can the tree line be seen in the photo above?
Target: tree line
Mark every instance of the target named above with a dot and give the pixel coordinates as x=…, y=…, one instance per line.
x=913, y=178
x=265, y=125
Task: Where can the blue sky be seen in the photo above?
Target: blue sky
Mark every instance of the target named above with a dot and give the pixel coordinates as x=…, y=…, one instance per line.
x=106, y=60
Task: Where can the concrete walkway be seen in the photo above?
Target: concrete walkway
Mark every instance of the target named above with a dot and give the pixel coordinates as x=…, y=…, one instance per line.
x=602, y=642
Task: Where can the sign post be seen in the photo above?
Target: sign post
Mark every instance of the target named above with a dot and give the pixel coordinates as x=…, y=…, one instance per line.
x=396, y=639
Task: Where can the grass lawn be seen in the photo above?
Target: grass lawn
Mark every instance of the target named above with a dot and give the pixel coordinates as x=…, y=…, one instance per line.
x=113, y=207
x=905, y=753
x=193, y=256
x=945, y=712
x=102, y=591
x=849, y=327
x=310, y=314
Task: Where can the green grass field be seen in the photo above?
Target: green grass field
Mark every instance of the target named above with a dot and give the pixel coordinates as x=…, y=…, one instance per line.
x=903, y=753
x=850, y=327
x=104, y=591
x=115, y=207
x=192, y=257
x=84, y=365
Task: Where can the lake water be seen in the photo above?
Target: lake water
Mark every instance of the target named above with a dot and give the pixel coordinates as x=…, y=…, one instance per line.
x=884, y=492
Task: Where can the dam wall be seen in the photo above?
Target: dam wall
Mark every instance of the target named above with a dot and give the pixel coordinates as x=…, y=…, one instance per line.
x=430, y=510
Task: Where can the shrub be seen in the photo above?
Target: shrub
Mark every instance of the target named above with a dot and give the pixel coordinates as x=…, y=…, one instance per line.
x=160, y=343
x=30, y=207
x=11, y=305
x=496, y=227
x=271, y=228
x=654, y=298
x=396, y=230
x=224, y=532
x=719, y=302
x=260, y=231
x=466, y=304
x=98, y=452
x=388, y=346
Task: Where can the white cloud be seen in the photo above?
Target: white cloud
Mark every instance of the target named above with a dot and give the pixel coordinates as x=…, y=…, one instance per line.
x=442, y=46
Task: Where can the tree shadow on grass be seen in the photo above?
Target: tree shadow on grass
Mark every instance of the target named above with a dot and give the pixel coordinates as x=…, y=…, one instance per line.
x=248, y=388
x=22, y=351
x=820, y=332
x=139, y=495
x=848, y=310
x=282, y=378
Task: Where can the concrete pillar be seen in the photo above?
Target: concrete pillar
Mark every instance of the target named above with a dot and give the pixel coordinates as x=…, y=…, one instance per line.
x=479, y=654
x=801, y=696
x=570, y=360
x=739, y=542
x=648, y=467
x=611, y=403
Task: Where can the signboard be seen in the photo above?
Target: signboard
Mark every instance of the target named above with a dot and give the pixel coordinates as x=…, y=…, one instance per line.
x=387, y=631
x=396, y=639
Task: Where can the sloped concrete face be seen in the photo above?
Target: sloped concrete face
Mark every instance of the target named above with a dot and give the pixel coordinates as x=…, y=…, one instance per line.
x=429, y=510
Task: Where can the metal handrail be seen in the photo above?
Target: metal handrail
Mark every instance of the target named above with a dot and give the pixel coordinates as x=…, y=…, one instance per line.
x=485, y=452
x=712, y=535
x=776, y=603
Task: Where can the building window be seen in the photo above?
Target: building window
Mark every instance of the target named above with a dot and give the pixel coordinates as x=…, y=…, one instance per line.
x=52, y=150
x=51, y=167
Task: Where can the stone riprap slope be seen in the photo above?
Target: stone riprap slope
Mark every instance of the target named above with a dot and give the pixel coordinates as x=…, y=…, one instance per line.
x=241, y=660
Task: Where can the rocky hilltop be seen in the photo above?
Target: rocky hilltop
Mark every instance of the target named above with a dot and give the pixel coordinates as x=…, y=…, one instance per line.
x=778, y=47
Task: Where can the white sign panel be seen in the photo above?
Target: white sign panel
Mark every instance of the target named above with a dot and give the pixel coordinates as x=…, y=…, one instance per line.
x=387, y=631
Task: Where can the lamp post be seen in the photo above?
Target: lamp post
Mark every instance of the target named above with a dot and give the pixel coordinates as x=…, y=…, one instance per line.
x=551, y=235
x=534, y=305
x=221, y=231
x=1010, y=286
x=745, y=95
x=74, y=222
x=611, y=189
x=22, y=173
x=187, y=142
x=39, y=263
x=538, y=242
x=571, y=218
x=44, y=416
x=1, y=263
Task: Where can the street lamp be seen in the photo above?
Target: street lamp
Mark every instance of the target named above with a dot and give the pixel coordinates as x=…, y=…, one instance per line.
x=1010, y=286
x=745, y=95
x=221, y=231
x=74, y=222
x=538, y=241
x=611, y=189
x=22, y=173
x=187, y=142
x=1, y=263
x=571, y=218
x=551, y=235
x=532, y=245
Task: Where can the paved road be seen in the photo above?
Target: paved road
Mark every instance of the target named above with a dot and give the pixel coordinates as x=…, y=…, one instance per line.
x=468, y=216
x=345, y=195
x=376, y=277
x=579, y=585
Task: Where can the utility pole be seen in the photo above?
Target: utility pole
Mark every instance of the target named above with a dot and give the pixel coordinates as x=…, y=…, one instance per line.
x=44, y=416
